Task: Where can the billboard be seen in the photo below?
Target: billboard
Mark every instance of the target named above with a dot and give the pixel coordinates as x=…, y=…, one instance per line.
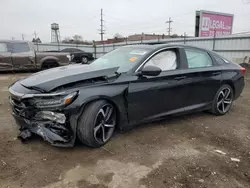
x=209, y=24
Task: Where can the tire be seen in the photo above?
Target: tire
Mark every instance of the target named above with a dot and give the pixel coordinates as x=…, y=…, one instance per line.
x=49, y=64
x=85, y=60
x=97, y=123
x=223, y=100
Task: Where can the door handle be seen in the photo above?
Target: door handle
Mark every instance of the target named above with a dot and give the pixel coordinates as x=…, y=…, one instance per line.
x=180, y=77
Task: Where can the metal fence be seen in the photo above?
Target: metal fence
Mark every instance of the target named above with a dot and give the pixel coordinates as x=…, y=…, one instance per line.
x=233, y=47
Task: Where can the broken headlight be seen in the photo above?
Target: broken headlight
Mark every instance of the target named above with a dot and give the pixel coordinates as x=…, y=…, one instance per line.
x=53, y=116
x=69, y=57
x=57, y=101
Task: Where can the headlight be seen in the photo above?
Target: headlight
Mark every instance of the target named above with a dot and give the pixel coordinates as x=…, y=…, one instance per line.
x=58, y=101
x=53, y=116
x=69, y=57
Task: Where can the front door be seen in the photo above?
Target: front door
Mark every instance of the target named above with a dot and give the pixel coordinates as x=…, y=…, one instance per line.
x=5, y=57
x=23, y=56
x=153, y=97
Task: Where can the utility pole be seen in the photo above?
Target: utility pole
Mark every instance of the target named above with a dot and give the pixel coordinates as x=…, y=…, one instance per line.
x=102, y=30
x=185, y=37
x=169, y=26
x=36, y=40
x=23, y=36
x=214, y=40
x=13, y=38
x=35, y=34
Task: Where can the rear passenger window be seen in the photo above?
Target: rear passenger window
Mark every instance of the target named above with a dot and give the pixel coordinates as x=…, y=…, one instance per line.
x=18, y=47
x=197, y=58
x=219, y=60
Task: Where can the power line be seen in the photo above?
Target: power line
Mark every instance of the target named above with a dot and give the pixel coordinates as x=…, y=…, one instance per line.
x=169, y=26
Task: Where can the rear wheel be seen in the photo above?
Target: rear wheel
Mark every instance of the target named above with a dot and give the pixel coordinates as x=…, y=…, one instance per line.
x=97, y=124
x=85, y=60
x=49, y=64
x=223, y=100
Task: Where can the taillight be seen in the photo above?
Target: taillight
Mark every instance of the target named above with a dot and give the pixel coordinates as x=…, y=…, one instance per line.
x=243, y=70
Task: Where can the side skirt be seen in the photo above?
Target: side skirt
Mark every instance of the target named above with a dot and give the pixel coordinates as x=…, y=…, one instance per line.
x=177, y=112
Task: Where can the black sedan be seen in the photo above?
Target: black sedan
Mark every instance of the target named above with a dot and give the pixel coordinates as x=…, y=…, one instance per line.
x=128, y=86
x=79, y=56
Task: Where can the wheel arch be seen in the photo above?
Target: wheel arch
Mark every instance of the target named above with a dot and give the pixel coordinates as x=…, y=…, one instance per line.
x=84, y=55
x=119, y=109
x=49, y=58
x=230, y=83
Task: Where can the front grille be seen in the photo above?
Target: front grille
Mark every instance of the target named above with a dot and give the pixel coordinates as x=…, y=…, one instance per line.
x=22, y=109
x=17, y=105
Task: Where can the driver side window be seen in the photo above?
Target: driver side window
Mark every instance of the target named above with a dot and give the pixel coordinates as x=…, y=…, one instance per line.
x=165, y=60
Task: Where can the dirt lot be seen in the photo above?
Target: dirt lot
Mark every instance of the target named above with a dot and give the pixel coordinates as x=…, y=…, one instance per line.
x=174, y=153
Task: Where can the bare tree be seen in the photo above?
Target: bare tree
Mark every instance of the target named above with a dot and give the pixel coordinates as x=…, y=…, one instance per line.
x=118, y=36
x=77, y=39
x=66, y=40
x=37, y=40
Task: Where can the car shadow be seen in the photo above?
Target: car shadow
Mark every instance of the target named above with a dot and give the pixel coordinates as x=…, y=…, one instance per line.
x=167, y=121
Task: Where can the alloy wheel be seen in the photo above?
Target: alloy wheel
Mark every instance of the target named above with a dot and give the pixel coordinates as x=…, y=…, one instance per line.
x=224, y=100
x=84, y=60
x=105, y=122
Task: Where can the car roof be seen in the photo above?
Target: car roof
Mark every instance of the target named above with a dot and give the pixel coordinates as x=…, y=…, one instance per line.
x=158, y=45
x=70, y=48
x=13, y=41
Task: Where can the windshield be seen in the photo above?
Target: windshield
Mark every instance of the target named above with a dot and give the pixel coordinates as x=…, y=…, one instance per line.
x=124, y=58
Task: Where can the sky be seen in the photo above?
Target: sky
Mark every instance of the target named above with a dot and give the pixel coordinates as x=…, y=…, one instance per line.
x=126, y=17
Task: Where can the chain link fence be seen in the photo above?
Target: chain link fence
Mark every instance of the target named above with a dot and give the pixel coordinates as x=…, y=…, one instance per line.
x=233, y=47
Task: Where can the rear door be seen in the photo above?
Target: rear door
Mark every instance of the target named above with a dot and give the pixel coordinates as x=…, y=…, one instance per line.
x=202, y=76
x=23, y=55
x=5, y=57
x=157, y=96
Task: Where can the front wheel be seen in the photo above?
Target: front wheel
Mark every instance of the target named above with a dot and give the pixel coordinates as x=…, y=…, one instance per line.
x=223, y=100
x=97, y=124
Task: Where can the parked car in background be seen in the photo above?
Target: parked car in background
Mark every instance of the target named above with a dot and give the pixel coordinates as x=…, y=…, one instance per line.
x=21, y=55
x=79, y=56
x=130, y=85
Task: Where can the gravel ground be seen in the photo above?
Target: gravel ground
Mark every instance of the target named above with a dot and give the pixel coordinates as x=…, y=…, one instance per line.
x=175, y=153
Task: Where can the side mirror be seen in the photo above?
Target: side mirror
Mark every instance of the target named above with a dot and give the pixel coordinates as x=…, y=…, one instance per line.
x=150, y=71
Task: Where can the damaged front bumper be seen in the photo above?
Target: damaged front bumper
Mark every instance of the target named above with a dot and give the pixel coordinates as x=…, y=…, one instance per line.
x=57, y=128
x=52, y=132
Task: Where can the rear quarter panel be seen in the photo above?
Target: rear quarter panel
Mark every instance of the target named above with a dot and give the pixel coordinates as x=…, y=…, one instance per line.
x=60, y=57
x=231, y=75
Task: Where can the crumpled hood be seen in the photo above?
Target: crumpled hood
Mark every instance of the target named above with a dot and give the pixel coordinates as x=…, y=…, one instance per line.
x=55, y=77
